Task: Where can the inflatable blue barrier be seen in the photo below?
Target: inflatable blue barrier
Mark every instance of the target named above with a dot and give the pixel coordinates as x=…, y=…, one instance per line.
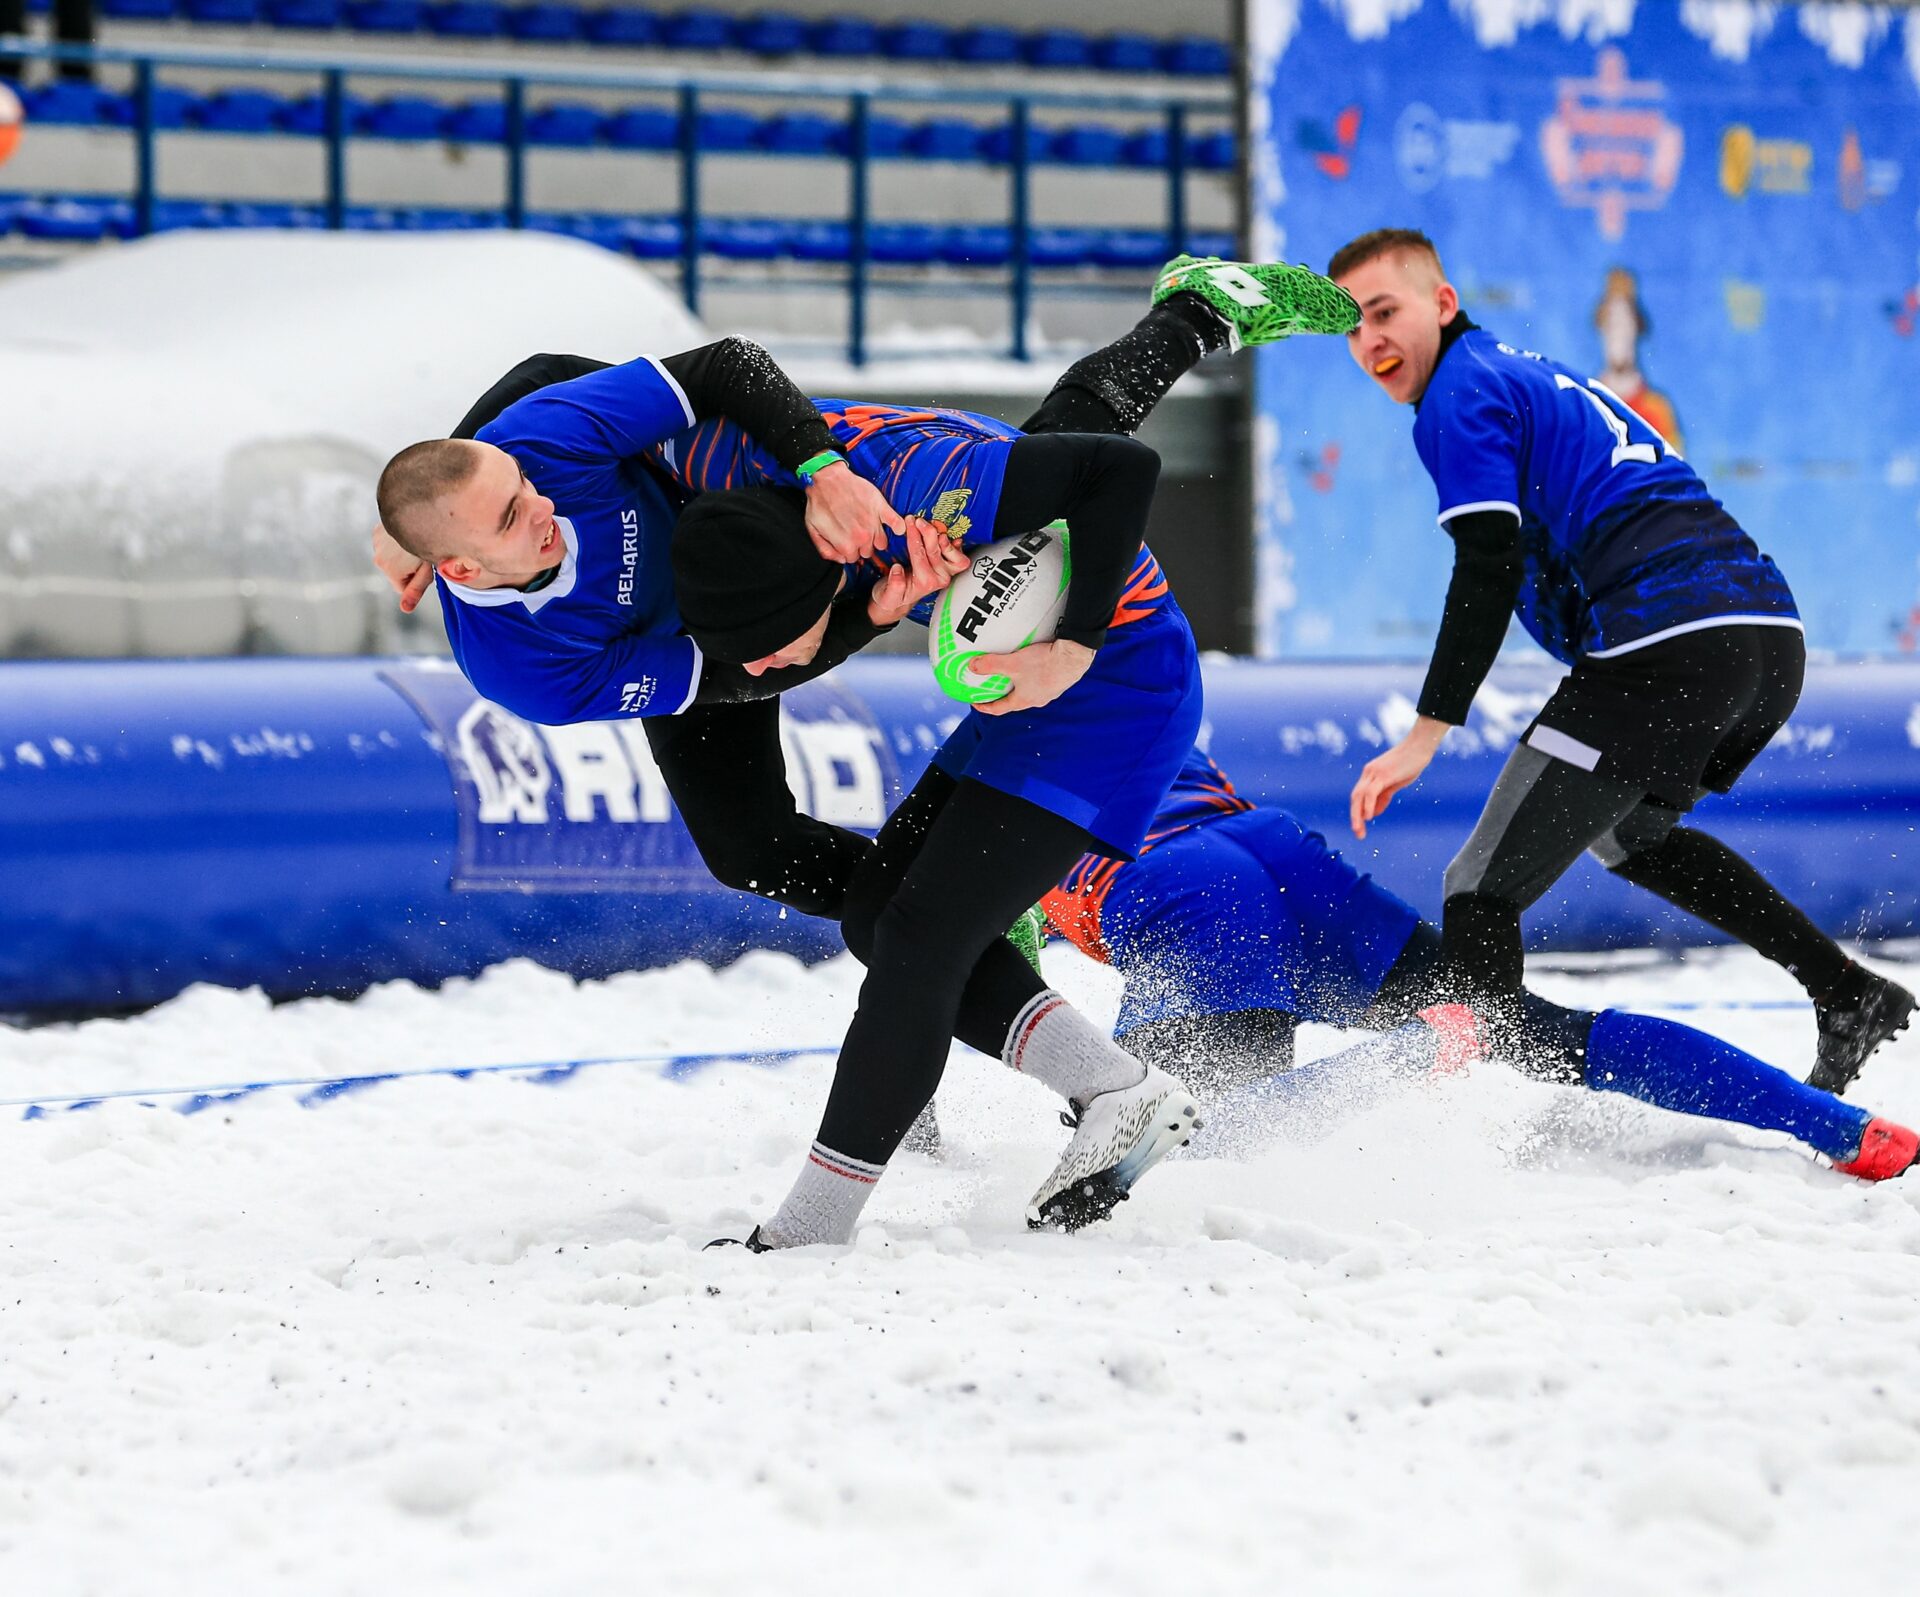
x=310, y=826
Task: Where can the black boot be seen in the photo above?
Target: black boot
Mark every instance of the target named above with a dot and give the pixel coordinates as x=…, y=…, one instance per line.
x=1860, y=1013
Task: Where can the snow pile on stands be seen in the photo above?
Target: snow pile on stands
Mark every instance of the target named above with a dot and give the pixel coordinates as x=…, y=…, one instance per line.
x=460, y=1336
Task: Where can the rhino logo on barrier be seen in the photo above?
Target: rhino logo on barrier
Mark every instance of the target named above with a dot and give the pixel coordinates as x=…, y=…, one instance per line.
x=507, y=763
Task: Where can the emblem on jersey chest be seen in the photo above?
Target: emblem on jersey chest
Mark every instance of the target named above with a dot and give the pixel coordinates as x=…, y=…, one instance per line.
x=950, y=511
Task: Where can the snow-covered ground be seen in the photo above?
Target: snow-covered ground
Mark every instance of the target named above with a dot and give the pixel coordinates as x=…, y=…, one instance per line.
x=448, y=1335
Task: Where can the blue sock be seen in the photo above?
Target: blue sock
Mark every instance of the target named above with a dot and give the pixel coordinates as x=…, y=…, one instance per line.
x=1678, y=1068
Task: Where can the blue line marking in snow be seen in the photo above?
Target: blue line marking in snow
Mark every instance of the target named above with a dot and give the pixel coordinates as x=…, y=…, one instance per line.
x=324, y=1089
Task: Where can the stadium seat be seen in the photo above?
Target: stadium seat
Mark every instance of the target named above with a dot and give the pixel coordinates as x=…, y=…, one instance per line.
x=800, y=133
x=65, y=221
x=725, y=131
x=1061, y=246
x=1089, y=144
x=308, y=114
x=475, y=122
x=771, y=33
x=976, y=245
x=651, y=238
x=742, y=238
x=1224, y=245
x=1212, y=152
x=986, y=45
x=945, y=139
x=387, y=16
x=848, y=38
x=564, y=122
x=903, y=243
x=437, y=220
x=916, y=41
x=1129, y=248
x=1058, y=49
x=308, y=15
x=222, y=13
x=138, y=10
x=819, y=241
x=696, y=29
x=172, y=107
x=1146, y=148
x=11, y=205
x=642, y=127
x=621, y=27
x=62, y=104
x=1195, y=57
x=274, y=213
x=172, y=216
x=997, y=143
x=886, y=137
x=544, y=23
x=1127, y=52
x=401, y=116
x=467, y=19
x=239, y=111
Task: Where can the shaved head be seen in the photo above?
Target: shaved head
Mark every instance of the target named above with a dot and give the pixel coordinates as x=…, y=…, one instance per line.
x=413, y=480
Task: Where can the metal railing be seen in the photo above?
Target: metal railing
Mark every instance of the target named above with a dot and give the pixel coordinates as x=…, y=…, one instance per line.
x=859, y=94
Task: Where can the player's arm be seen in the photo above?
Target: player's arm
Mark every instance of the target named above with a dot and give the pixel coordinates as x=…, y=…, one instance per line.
x=1487, y=567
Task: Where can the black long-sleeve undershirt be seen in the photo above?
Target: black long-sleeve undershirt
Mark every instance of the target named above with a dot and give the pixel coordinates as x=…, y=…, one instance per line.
x=1487, y=568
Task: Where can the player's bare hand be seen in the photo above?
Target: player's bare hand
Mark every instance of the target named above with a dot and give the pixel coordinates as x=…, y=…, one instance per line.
x=1041, y=672
x=1387, y=774
x=933, y=561
x=409, y=575
x=847, y=517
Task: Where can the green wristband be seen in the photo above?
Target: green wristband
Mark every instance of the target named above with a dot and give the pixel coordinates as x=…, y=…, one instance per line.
x=807, y=470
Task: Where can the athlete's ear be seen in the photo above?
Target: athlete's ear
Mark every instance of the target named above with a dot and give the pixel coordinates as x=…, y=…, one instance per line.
x=456, y=569
x=1447, y=299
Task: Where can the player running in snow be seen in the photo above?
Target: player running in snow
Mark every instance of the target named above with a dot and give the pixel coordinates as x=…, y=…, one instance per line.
x=1568, y=510
x=544, y=537
x=1237, y=923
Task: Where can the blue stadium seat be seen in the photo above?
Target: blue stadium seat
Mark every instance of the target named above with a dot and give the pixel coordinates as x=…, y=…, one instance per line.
x=563, y=122
x=987, y=45
x=621, y=27
x=820, y=242
x=439, y=220
x=1195, y=57
x=642, y=127
x=1089, y=144
x=916, y=41
x=387, y=16
x=903, y=243
x=66, y=221
x=1212, y=152
x=771, y=33
x=801, y=133
x=467, y=19
x=11, y=205
x=544, y=23
x=172, y=107
x=1130, y=247
x=696, y=29
x=171, y=216
x=74, y=105
x=602, y=230
x=1127, y=52
x=651, y=238
x=849, y=38
x=1058, y=49
x=309, y=114
x=976, y=245
x=1148, y=148
x=1061, y=246
x=138, y=10
x=945, y=139
x=401, y=116
x=222, y=13
x=239, y=111
x=1221, y=244
x=274, y=213
x=886, y=137
x=475, y=122
x=309, y=15
x=997, y=145
x=727, y=130
x=742, y=238
x=372, y=219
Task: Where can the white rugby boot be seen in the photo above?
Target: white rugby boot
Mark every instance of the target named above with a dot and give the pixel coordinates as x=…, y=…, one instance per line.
x=1118, y=1136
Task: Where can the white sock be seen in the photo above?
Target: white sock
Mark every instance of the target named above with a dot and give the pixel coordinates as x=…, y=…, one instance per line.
x=826, y=1201
x=1054, y=1043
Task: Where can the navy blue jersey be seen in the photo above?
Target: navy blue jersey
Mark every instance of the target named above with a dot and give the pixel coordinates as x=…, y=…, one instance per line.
x=602, y=640
x=1623, y=545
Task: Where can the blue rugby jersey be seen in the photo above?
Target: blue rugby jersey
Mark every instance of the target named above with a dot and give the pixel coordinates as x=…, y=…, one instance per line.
x=1622, y=544
x=602, y=640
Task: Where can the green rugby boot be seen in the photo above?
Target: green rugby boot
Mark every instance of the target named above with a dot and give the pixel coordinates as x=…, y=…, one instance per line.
x=1261, y=302
x=1029, y=935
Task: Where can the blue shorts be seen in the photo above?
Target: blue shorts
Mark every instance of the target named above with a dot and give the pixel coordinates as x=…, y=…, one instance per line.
x=1250, y=912
x=1104, y=753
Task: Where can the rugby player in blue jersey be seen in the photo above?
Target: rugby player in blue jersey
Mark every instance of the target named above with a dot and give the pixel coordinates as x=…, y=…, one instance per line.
x=1568, y=510
x=1236, y=923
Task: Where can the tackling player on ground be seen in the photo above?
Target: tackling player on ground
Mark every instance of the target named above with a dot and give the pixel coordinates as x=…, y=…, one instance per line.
x=1568, y=510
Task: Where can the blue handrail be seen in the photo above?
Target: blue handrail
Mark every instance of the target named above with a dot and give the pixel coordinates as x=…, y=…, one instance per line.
x=858, y=92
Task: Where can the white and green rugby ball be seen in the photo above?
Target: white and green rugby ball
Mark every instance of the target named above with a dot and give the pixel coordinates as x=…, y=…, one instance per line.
x=1013, y=594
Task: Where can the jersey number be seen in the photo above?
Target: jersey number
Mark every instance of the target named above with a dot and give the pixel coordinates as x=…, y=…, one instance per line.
x=1645, y=454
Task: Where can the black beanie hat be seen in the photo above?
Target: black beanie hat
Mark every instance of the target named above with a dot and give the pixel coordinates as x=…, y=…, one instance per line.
x=747, y=577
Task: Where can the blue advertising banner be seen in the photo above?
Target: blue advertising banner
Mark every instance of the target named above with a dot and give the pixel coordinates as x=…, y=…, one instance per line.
x=1712, y=208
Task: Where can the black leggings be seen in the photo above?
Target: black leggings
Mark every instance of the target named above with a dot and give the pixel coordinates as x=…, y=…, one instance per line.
x=927, y=912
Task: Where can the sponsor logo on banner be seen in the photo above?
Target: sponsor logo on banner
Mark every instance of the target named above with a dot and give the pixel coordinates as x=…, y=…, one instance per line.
x=1331, y=146
x=1772, y=166
x=1862, y=181
x=584, y=808
x=1609, y=145
x=1429, y=148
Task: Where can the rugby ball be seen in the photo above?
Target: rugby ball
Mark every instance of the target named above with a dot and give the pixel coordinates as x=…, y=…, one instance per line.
x=1013, y=594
